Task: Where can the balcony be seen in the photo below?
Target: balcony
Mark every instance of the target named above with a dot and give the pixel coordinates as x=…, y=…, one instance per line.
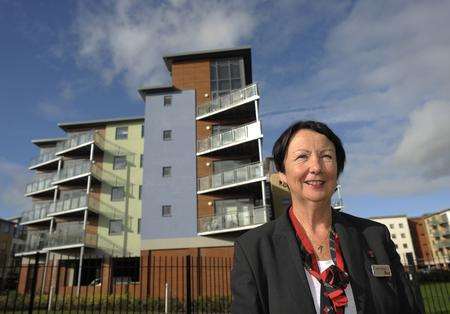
x=79, y=144
x=243, y=175
x=242, y=134
x=38, y=214
x=41, y=186
x=36, y=242
x=436, y=233
x=76, y=172
x=75, y=204
x=230, y=222
x=443, y=244
x=46, y=161
x=446, y=232
x=69, y=237
x=433, y=222
x=232, y=100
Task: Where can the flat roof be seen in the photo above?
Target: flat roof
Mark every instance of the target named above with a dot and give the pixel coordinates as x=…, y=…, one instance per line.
x=243, y=51
x=392, y=216
x=439, y=212
x=143, y=91
x=43, y=141
x=91, y=123
x=7, y=221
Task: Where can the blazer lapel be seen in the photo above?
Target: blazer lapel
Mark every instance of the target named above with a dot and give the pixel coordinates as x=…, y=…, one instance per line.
x=289, y=252
x=352, y=250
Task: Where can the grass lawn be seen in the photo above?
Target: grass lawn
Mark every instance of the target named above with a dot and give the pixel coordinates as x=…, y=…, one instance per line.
x=436, y=297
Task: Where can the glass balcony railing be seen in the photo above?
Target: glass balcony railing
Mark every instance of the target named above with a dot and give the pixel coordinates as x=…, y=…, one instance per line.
x=40, y=183
x=234, y=98
x=75, y=169
x=231, y=177
x=433, y=221
x=36, y=241
x=233, y=136
x=224, y=222
x=79, y=139
x=71, y=236
x=43, y=158
x=443, y=244
x=39, y=210
x=81, y=200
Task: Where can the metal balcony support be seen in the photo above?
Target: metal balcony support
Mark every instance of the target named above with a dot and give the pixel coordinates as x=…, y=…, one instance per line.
x=44, y=276
x=91, y=154
x=263, y=185
x=80, y=266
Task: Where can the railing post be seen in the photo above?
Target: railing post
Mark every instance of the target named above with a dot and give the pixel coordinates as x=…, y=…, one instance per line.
x=188, y=285
x=33, y=284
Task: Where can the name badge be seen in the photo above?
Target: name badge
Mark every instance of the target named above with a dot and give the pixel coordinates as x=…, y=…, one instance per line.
x=381, y=270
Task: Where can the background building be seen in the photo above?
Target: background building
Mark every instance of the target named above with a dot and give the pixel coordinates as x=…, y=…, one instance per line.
x=204, y=179
x=85, y=198
x=421, y=241
x=400, y=234
x=437, y=225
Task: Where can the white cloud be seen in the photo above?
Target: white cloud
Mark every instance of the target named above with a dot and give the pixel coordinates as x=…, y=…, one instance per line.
x=13, y=179
x=383, y=66
x=372, y=64
x=425, y=146
x=125, y=40
x=56, y=110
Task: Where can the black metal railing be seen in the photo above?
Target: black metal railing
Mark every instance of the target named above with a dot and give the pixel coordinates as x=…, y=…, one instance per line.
x=158, y=284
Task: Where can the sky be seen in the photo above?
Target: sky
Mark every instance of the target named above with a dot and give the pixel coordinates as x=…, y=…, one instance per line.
x=377, y=72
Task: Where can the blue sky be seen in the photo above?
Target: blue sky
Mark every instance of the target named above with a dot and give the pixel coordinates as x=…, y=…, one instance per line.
x=376, y=71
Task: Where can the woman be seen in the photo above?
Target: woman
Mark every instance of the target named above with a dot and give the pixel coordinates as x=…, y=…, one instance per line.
x=313, y=259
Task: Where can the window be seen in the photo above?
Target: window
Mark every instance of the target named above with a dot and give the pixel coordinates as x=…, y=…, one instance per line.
x=405, y=246
x=122, y=133
x=167, y=210
x=226, y=75
x=167, y=101
x=140, y=191
x=403, y=235
x=166, y=171
x=393, y=236
x=139, y=226
x=142, y=130
x=141, y=162
x=115, y=227
x=120, y=162
x=167, y=135
x=391, y=226
x=400, y=225
x=117, y=193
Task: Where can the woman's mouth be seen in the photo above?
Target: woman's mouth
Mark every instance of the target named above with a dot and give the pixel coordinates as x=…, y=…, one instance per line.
x=315, y=183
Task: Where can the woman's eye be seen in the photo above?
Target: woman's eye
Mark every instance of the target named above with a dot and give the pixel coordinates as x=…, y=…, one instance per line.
x=302, y=157
x=327, y=157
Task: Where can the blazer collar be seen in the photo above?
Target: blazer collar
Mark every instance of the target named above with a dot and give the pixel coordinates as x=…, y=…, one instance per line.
x=289, y=251
x=352, y=246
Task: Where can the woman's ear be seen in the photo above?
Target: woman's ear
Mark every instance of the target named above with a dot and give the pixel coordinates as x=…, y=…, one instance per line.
x=283, y=179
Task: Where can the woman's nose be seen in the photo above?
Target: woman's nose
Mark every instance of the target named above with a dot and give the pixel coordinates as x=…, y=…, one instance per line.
x=315, y=166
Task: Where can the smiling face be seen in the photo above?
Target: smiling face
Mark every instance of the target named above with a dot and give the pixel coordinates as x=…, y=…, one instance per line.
x=310, y=167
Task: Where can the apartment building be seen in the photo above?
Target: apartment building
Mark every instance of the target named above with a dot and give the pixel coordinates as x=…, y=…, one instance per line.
x=421, y=241
x=437, y=225
x=204, y=179
x=400, y=234
x=86, y=197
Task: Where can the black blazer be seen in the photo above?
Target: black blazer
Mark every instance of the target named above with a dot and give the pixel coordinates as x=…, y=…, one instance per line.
x=268, y=274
